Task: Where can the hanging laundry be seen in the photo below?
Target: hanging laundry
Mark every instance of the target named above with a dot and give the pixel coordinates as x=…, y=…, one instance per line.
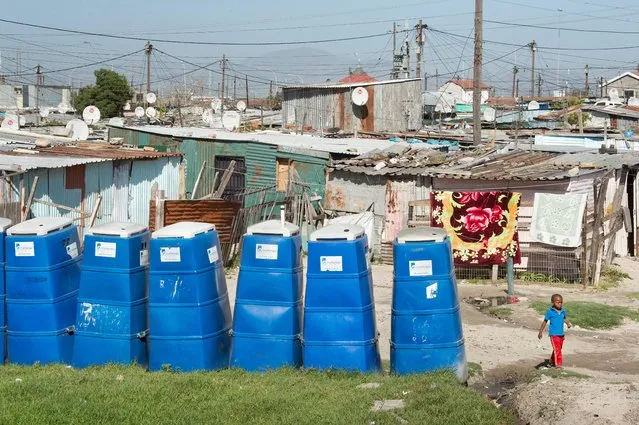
x=558, y=219
x=482, y=226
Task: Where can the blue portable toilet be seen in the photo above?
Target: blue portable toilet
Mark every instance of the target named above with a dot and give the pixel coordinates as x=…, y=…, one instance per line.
x=268, y=306
x=339, y=307
x=426, y=327
x=111, y=323
x=189, y=311
x=5, y=223
x=42, y=278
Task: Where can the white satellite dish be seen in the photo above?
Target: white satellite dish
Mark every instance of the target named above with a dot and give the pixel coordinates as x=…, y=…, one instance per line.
x=63, y=108
x=151, y=112
x=91, y=114
x=139, y=112
x=216, y=104
x=241, y=106
x=44, y=112
x=11, y=122
x=117, y=122
x=613, y=93
x=359, y=96
x=231, y=120
x=489, y=115
x=77, y=130
x=633, y=101
x=151, y=98
x=207, y=116
x=533, y=105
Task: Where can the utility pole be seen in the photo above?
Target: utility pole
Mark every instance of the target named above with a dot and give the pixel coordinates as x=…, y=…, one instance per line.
x=477, y=73
x=394, y=39
x=436, y=78
x=223, y=65
x=600, y=86
x=539, y=85
x=586, y=69
x=270, y=95
x=39, y=82
x=235, y=87
x=515, y=71
x=420, y=44
x=148, y=49
x=246, y=85
x=517, y=89
x=533, y=49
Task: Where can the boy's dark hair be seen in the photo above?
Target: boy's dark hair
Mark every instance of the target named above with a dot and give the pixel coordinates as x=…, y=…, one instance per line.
x=556, y=296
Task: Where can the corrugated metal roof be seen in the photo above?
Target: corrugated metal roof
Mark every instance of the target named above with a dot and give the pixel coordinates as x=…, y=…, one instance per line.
x=349, y=85
x=613, y=111
x=67, y=156
x=513, y=165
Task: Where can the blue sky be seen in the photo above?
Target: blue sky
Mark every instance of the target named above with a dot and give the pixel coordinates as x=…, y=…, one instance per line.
x=449, y=52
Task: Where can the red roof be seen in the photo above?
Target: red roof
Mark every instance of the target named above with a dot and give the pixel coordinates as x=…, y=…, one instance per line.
x=468, y=84
x=358, y=76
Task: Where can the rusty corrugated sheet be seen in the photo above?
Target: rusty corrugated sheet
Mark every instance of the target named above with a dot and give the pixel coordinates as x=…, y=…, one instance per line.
x=218, y=212
x=96, y=150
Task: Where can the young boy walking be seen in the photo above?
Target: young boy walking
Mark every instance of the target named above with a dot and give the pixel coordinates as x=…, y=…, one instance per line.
x=556, y=315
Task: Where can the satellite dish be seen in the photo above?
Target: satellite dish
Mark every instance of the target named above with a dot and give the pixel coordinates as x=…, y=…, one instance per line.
x=151, y=98
x=151, y=112
x=11, y=122
x=207, y=116
x=139, y=112
x=359, y=96
x=91, y=114
x=63, y=108
x=489, y=114
x=633, y=101
x=533, y=105
x=216, y=104
x=127, y=106
x=241, y=106
x=77, y=130
x=117, y=122
x=613, y=93
x=44, y=112
x=231, y=120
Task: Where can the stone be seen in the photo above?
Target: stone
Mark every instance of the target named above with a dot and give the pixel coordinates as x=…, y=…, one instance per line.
x=387, y=405
x=369, y=386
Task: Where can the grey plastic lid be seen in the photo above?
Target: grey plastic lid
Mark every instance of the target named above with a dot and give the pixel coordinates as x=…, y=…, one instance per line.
x=422, y=234
x=273, y=227
x=123, y=230
x=40, y=226
x=338, y=231
x=5, y=223
x=185, y=229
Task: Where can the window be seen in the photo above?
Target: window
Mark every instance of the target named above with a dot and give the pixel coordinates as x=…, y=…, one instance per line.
x=283, y=172
x=628, y=94
x=234, y=190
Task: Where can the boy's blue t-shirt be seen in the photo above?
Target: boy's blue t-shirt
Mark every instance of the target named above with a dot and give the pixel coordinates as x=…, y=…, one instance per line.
x=556, y=319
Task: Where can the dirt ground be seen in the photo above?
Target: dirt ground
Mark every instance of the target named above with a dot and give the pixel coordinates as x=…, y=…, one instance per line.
x=508, y=352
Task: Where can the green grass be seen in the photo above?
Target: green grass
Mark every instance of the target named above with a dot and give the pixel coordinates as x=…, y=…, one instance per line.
x=555, y=373
x=475, y=369
x=591, y=315
x=526, y=276
x=633, y=295
x=129, y=395
x=611, y=277
x=500, y=312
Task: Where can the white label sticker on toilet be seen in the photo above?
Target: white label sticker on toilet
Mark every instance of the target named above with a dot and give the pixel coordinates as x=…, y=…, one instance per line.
x=266, y=251
x=431, y=291
x=105, y=249
x=420, y=268
x=213, y=254
x=24, y=249
x=144, y=257
x=331, y=264
x=170, y=254
x=72, y=250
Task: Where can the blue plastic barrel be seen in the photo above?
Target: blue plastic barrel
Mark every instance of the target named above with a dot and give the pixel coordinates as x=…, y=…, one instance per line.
x=111, y=323
x=339, y=307
x=426, y=327
x=189, y=311
x=267, y=322
x=5, y=223
x=42, y=278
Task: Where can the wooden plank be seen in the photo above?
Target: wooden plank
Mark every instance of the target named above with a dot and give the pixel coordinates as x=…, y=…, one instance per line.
x=27, y=206
x=159, y=210
x=22, y=196
x=617, y=222
x=197, y=181
x=62, y=207
x=494, y=273
x=596, y=256
x=96, y=208
x=226, y=177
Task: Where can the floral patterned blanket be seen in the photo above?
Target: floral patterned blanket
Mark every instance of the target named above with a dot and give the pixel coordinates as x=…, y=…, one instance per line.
x=482, y=226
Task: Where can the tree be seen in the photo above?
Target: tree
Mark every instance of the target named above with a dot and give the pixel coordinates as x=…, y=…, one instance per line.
x=110, y=93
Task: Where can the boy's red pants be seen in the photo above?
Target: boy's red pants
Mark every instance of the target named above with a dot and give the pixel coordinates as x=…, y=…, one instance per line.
x=557, y=343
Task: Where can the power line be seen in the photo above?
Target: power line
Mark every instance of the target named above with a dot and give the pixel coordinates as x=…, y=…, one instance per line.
x=208, y=43
x=562, y=28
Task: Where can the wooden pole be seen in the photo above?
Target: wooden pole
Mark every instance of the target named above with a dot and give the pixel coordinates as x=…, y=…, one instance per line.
x=96, y=208
x=159, y=210
x=197, y=181
x=27, y=206
x=477, y=63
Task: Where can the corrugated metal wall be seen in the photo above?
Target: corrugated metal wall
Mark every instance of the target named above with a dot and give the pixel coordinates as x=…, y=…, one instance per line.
x=395, y=106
